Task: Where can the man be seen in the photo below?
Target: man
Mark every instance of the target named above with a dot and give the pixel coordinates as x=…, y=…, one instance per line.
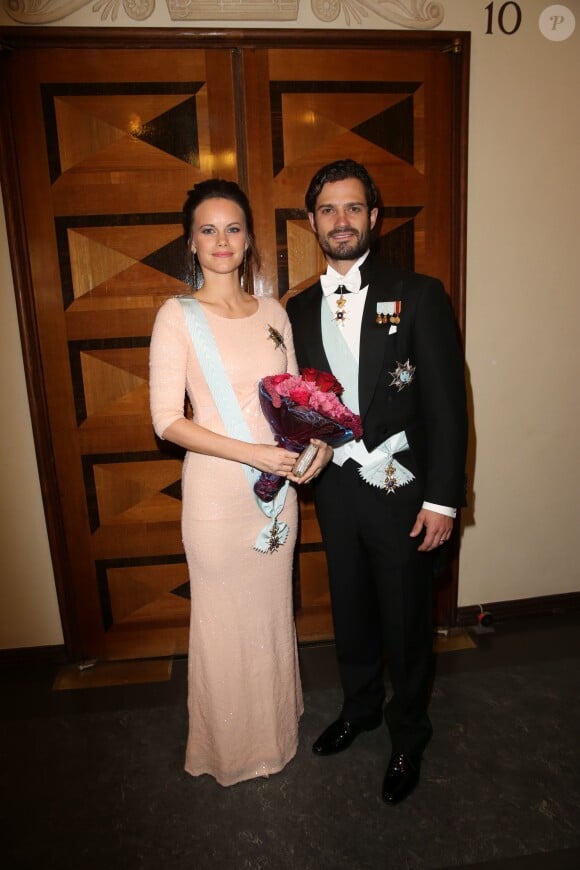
x=386, y=503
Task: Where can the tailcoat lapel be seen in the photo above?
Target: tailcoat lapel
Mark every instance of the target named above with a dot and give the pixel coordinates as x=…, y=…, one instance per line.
x=384, y=285
x=311, y=329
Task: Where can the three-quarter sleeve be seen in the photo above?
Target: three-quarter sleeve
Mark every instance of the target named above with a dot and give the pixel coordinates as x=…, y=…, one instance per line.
x=167, y=366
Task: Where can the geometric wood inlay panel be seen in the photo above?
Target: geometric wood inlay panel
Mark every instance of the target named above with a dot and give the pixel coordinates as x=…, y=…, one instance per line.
x=110, y=387
x=143, y=592
x=132, y=488
x=110, y=379
x=120, y=261
x=308, y=116
x=113, y=125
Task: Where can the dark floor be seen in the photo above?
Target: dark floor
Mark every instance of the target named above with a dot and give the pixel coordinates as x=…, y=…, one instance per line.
x=93, y=778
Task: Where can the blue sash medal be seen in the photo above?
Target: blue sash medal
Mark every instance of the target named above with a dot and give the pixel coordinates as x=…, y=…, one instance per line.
x=274, y=533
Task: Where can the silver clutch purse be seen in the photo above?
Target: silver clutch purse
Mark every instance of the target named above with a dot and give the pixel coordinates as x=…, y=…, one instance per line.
x=305, y=460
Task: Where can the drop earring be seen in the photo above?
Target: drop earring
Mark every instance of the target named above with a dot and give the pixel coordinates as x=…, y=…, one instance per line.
x=197, y=278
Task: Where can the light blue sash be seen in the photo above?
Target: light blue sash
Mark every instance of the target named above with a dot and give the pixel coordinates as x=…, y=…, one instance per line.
x=343, y=363
x=380, y=469
x=274, y=534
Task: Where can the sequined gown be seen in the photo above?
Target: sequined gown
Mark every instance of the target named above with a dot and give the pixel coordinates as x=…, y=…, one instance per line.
x=244, y=696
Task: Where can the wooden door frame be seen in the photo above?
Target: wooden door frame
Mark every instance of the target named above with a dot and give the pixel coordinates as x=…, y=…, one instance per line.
x=21, y=39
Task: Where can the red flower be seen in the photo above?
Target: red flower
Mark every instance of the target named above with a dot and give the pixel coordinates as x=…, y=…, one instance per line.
x=277, y=379
x=325, y=381
x=309, y=374
x=300, y=394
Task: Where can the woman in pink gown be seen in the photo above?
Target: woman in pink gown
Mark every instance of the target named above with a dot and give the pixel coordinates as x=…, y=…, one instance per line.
x=244, y=695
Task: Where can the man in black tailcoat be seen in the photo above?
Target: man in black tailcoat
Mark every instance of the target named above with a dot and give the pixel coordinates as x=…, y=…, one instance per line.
x=386, y=503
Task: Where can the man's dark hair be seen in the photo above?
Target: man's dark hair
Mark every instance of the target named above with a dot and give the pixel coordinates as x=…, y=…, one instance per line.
x=339, y=171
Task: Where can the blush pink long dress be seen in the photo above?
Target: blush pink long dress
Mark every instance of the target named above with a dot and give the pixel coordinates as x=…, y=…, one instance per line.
x=244, y=695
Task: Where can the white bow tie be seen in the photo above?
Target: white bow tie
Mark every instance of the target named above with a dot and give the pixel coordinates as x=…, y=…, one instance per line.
x=331, y=282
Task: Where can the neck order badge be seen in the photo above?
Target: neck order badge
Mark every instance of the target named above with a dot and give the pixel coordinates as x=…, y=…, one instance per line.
x=340, y=314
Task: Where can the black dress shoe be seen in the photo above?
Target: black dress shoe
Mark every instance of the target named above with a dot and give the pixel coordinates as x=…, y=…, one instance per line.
x=400, y=779
x=341, y=734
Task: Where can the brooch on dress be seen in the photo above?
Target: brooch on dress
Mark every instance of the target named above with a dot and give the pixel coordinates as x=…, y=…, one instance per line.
x=403, y=376
x=275, y=336
x=389, y=312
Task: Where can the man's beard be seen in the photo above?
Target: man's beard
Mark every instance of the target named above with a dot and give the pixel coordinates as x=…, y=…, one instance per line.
x=350, y=250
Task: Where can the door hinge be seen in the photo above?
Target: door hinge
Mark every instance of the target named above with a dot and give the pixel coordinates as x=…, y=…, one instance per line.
x=456, y=47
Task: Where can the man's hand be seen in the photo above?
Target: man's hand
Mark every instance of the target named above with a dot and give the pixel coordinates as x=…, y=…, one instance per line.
x=438, y=528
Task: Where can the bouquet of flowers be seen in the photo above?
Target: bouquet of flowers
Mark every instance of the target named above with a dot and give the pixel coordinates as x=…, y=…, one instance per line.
x=301, y=407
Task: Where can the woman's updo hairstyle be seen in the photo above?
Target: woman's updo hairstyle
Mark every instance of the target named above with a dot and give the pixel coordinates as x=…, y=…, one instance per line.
x=219, y=188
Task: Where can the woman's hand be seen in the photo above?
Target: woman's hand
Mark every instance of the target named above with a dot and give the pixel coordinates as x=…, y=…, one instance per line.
x=274, y=460
x=320, y=461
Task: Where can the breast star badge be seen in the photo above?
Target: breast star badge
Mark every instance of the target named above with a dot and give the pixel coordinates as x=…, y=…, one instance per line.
x=403, y=376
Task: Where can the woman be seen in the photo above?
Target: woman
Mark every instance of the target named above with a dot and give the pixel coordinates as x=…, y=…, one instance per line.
x=244, y=697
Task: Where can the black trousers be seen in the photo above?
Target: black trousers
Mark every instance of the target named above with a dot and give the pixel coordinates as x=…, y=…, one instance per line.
x=381, y=592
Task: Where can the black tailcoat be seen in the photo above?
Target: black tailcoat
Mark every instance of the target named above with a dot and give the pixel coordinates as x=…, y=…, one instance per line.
x=432, y=409
x=373, y=565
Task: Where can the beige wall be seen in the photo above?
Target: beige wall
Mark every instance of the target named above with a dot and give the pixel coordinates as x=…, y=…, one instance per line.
x=522, y=331
x=522, y=315
x=28, y=606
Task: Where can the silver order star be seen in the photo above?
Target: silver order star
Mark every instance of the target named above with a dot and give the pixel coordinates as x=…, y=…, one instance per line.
x=403, y=375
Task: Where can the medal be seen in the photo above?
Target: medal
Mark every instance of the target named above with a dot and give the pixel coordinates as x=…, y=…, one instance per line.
x=340, y=313
x=389, y=313
x=274, y=542
x=390, y=484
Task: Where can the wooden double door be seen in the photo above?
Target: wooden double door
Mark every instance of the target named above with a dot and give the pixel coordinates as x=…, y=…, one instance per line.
x=100, y=146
